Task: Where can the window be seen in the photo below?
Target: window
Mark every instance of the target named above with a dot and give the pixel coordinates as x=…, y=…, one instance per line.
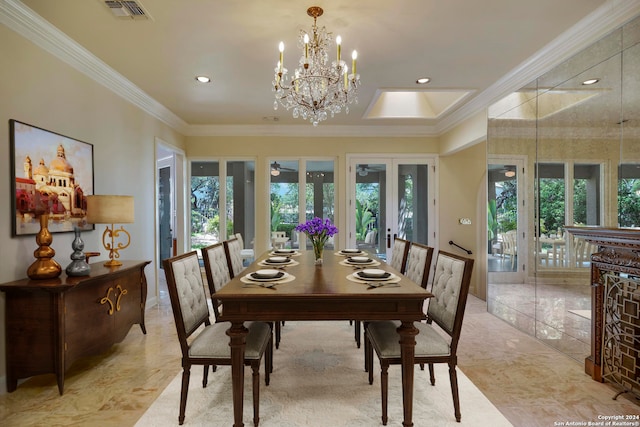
x=222, y=201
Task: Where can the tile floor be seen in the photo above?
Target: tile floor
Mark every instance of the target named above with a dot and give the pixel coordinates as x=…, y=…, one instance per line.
x=531, y=383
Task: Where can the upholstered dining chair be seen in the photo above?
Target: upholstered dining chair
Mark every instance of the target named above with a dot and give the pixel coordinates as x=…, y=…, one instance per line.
x=247, y=254
x=206, y=343
x=452, y=276
x=419, y=263
x=217, y=271
x=234, y=256
x=235, y=267
x=399, y=254
x=398, y=261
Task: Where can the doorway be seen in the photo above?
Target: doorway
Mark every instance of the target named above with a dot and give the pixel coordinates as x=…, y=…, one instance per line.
x=506, y=231
x=390, y=197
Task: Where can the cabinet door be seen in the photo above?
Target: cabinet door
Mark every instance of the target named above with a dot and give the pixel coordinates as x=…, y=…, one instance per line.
x=128, y=298
x=89, y=319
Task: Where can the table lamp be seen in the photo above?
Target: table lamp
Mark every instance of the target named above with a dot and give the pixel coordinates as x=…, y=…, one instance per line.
x=111, y=210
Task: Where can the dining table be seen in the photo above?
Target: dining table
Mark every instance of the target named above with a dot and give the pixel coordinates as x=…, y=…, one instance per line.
x=333, y=290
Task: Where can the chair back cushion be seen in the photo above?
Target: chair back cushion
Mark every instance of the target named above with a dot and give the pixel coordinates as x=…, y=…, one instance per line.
x=419, y=263
x=240, y=240
x=451, y=281
x=399, y=254
x=186, y=290
x=370, y=238
x=234, y=256
x=215, y=264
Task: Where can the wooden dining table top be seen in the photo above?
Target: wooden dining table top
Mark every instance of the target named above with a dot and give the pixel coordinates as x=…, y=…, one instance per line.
x=321, y=292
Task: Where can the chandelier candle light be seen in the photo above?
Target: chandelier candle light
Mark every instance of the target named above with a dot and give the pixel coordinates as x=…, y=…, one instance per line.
x=319, y=86
x=318, y=231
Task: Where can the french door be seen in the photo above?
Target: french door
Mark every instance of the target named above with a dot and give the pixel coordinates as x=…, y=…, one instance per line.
x=391, y=196
x=507, y=243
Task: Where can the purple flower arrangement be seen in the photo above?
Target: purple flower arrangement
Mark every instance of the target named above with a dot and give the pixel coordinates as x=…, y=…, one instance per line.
x=318, y=231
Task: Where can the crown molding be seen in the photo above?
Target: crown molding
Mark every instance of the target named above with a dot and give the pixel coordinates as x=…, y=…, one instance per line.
x=611, y=15
x=608, y=17
x=24, y=21
x=309, y=131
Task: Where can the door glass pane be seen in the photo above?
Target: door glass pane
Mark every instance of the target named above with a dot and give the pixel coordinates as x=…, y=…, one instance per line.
x=551, y=243
x=320, y=194
x=629, y=195
x=164, y=210
x=413, y=218
x=371, y=183
x=205, y=204
x=586, y=194
x=502, y=217
x=240, y=209
x=284, y=203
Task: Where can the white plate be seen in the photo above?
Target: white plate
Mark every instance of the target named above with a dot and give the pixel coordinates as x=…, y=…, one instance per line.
x=266, y=274
x=373, y=274
x=284, y=251
x=351, y=251
x=359, y=260
x=278, y=260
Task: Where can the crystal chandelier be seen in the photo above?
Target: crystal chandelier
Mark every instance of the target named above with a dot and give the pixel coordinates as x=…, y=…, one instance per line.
x=319, y=86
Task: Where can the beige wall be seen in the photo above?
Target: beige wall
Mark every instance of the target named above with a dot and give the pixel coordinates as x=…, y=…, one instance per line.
x=38, y=89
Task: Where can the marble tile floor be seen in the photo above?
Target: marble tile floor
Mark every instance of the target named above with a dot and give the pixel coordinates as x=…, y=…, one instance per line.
x=546, y=312
x=531, y=383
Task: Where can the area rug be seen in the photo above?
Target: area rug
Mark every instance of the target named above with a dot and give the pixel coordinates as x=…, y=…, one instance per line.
x=319, y=380
x=582, y=313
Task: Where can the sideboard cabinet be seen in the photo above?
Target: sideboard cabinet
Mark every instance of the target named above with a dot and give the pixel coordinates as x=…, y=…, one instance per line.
x=52, y=323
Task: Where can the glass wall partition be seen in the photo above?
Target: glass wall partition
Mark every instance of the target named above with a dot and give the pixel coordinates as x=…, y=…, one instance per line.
x=576, y=127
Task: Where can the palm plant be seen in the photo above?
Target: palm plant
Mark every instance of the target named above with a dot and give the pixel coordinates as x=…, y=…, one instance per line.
x=364, y=218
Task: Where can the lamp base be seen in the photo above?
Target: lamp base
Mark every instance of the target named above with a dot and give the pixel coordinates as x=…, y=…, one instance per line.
x=112, y=263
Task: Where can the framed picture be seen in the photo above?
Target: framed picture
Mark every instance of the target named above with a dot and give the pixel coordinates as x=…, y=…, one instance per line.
x=50, y=174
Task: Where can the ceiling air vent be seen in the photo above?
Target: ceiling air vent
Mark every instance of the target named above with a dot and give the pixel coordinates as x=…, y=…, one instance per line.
x=126, y=9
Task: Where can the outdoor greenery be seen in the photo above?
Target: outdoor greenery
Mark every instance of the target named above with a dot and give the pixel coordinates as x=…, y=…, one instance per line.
x=629, y=202
x=507, y=207
x=551, y=204
x=284, y=204
x=364, y=218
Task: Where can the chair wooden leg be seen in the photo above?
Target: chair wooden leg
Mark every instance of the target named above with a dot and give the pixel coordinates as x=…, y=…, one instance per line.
x=453, y=377
x=186, y=373
x=268, y=362
x=357, y=329
x=384, y=386
x=255, y=367
x=205, y=376
x=278, y=332
x=432, y=375
x=369, y=361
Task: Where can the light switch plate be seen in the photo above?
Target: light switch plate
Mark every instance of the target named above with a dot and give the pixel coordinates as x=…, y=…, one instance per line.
x=465, y=221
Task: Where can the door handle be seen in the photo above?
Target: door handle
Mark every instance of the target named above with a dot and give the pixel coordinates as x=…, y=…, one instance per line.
x=388, y=238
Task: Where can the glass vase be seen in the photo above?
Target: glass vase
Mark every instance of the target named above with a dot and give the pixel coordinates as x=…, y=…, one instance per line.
x=318, y=249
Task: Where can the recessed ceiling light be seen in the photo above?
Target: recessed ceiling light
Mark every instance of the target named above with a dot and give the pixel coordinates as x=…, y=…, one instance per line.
x=203, y=79
x=423, y=80
x=590, y=82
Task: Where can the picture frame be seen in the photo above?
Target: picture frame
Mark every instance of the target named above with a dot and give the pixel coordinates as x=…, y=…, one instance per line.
x=50, y=174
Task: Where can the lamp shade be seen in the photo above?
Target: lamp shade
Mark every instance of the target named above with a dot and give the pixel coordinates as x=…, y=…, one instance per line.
x=110, y=209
